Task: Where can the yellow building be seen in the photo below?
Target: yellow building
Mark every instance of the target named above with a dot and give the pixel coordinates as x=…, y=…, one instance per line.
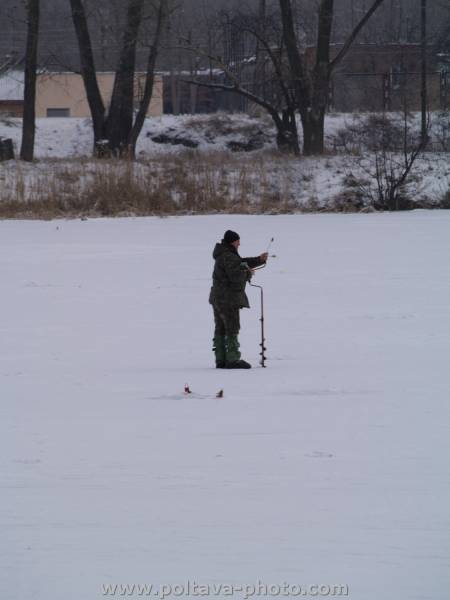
x=63, y=94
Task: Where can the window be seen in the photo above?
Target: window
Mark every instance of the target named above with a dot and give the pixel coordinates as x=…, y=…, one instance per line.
x=58, y=112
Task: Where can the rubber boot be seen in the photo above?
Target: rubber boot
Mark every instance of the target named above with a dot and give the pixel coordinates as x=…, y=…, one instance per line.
x=219, y=348
x=233, y=354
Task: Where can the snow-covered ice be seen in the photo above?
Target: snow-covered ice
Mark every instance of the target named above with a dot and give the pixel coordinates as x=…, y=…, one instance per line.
x=331, y=466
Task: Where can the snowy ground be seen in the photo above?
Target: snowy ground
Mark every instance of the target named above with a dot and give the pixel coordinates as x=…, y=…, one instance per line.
x=328, y=467
x=64, y=145
x=66, y=138
x=70, y=137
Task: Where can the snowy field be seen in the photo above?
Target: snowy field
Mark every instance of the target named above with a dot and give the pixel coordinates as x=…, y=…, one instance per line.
x=329, y=467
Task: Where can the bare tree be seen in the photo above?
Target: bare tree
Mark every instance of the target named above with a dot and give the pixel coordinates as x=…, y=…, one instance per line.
x=312, y=82
x=248, y=59
x=116, y=127
x=120, y=117
x=387, y=146
x=88, y=73
x=391, y=170
x=29, y=111
x=283, y=59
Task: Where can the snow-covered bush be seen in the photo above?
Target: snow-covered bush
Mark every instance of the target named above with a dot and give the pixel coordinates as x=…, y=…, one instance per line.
x=389, y=148
x=374, y=132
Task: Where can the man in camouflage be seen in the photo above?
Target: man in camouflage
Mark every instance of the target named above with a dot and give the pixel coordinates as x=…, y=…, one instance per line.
x=230, y=275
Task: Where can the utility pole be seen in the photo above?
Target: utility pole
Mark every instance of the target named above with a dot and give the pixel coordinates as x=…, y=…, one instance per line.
x=423, y=93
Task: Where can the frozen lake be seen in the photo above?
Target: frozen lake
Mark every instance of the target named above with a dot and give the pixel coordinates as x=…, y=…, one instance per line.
x=329, y=467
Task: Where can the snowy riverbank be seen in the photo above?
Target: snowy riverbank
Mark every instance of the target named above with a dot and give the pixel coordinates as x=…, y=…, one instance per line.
x=168, y=178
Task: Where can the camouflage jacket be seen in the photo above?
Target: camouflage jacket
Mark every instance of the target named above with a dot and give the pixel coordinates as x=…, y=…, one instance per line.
x=230, y=275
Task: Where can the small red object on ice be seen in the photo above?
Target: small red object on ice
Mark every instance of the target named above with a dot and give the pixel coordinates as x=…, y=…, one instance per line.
x=219, y=394
x=187, y=390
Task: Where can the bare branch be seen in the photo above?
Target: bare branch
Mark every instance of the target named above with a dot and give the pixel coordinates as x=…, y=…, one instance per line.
x=236, y=88
x=346, y=47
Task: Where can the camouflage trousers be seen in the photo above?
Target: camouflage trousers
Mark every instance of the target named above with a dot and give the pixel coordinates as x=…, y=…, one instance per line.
x=226, y=320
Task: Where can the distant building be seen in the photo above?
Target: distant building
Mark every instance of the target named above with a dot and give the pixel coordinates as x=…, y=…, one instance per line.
x=63, y=94
x=374, y=77
x=11, y=94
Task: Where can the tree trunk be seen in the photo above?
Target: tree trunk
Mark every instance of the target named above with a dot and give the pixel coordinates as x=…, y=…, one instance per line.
x=313, y=119
x=423, y=69
x=149, y=78
x=88, y=73
x=260, y=63
x=287, y=134
x=29, y=113
x=313, y=132
x=119, y=123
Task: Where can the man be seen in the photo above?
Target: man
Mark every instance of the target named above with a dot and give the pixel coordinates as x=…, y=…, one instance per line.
x=230, y=275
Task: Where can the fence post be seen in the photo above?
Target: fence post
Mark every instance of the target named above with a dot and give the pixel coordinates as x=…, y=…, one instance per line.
x=386, y=91
x=443, y=83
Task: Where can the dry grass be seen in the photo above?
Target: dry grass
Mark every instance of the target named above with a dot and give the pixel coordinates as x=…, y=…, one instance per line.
x=191, y=182
x=187, y=183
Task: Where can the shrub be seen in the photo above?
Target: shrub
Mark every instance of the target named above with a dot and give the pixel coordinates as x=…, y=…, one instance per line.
x=445, y=202
x=375, y=132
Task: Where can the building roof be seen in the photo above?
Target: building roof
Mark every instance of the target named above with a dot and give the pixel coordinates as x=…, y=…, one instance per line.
x=12, y=85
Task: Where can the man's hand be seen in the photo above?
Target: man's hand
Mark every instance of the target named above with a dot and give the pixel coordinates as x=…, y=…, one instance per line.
x=264, y=256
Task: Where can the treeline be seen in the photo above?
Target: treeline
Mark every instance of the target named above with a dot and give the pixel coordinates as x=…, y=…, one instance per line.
x=278, y=54
x=394, y=22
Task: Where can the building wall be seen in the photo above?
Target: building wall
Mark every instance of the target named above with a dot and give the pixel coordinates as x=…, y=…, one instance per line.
x=66, y=91
x=383, y=77
x=11, y=108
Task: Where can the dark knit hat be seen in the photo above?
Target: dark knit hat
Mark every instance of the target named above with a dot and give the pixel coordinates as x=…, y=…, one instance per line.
x=230, y=236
